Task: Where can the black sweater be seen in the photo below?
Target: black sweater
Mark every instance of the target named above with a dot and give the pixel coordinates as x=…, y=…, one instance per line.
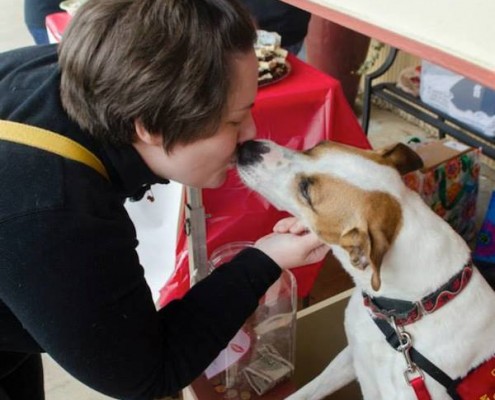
x=70, y=279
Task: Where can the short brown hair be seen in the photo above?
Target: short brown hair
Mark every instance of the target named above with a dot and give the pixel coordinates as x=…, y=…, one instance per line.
x=166, y=62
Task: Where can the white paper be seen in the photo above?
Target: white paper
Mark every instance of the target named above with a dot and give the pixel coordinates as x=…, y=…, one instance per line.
x=236, y=348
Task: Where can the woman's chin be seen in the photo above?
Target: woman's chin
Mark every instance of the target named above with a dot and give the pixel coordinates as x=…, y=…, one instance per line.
x=215, y=182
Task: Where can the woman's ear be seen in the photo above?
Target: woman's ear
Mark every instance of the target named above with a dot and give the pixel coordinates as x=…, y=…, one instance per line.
x=144, y=136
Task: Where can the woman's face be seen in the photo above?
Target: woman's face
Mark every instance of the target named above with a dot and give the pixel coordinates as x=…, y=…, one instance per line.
x=204, y=163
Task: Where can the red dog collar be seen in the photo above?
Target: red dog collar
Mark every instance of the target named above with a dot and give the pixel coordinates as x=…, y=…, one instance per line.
x=407, y=312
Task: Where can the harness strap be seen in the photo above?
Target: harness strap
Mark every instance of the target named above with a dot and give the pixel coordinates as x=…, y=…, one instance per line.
x=420, y=360
x=52, y=142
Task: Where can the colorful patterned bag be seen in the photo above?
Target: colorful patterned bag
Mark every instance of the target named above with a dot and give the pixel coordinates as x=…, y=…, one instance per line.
x=449, y=182
x=484, y=253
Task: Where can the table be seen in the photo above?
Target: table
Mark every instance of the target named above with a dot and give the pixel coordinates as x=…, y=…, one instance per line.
x=56, y=24
x=201, y=389
x=299, y=111
x=455, y=34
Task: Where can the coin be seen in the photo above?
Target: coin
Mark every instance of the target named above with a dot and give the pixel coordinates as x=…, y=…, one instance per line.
x=245, y=395
x=220, y=389
x=231, y=394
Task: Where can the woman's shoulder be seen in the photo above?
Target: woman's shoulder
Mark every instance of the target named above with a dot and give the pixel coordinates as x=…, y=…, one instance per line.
x=26, y=61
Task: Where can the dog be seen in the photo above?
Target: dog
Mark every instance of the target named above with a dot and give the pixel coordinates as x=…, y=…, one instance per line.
x=411, y=270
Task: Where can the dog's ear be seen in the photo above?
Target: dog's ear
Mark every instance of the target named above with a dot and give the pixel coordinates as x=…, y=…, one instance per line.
x=356, y=242
x=379, y=247
x=402, y=157
x=366, y=248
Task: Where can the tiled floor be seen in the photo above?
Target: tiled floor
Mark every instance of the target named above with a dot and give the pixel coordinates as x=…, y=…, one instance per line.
x=385, y=128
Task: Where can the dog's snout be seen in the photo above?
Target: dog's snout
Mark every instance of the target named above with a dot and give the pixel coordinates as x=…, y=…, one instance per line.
x=250, y=152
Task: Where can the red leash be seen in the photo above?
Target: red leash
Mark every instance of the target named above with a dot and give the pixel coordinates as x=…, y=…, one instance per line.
x=420, y=389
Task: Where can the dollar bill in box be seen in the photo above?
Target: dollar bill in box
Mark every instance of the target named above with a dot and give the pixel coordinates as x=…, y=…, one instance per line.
x=449, y=182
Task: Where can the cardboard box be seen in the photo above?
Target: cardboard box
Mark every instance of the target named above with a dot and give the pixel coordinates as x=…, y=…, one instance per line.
x=449, y=182
x=320, y=338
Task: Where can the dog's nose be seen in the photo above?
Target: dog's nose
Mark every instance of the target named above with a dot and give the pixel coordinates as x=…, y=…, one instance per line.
x=250, y=152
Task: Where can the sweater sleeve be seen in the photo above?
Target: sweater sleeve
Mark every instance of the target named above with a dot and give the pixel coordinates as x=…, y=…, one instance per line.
x=81, y=294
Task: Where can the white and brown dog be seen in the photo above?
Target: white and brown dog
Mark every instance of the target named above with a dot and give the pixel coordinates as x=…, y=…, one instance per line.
x=412, y=271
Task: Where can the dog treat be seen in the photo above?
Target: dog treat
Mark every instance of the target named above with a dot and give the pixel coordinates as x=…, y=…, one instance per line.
x=272, y=64
x=268, y=369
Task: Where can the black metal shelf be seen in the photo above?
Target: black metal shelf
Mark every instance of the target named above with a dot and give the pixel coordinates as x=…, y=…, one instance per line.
x=445, y=124
x=412, y=105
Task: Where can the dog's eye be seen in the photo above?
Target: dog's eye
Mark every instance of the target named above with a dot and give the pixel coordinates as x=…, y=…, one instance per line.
x=304, y=186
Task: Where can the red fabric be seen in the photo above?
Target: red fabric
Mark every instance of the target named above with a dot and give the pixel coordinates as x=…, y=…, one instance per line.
x=56, y=24
x=420, y=389
x=480, y=383
x=298, y=112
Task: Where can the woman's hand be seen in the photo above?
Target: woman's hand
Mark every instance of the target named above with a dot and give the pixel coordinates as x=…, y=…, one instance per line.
x=292, y=245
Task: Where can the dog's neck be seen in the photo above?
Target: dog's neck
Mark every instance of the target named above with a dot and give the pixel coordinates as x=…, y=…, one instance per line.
x=426, y=253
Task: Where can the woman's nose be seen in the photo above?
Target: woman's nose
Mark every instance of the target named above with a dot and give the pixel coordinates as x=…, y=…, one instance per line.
x=248, y=129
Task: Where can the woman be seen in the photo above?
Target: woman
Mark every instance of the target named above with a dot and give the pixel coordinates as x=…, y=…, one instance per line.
x=156, y=90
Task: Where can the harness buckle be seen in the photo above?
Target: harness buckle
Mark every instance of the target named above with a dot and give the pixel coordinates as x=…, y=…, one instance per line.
x=413, y=372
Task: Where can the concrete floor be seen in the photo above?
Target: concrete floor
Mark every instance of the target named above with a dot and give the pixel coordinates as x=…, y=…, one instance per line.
x=13, y=32
x=386, y=127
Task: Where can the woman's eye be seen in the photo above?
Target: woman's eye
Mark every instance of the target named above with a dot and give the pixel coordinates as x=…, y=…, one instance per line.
x=235, y=123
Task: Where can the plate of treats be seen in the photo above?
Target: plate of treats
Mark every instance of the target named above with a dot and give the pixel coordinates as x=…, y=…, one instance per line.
x=71, y=6
x=272, y=59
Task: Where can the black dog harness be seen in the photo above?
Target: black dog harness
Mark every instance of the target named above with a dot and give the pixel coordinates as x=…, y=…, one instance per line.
x=391, y=315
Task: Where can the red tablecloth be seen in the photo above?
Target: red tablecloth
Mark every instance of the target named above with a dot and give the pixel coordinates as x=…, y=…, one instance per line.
x=299, y=111
x=56, y=24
